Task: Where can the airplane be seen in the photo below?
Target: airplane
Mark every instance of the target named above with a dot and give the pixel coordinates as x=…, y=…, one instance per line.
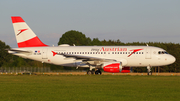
x=112, y=59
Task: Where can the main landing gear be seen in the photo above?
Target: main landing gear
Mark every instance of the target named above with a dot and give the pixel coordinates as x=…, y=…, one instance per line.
x=149, y=72
x=89, y=72
x=97, y=71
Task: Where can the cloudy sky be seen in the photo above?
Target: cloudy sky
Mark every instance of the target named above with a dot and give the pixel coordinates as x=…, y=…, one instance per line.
x=127, y=20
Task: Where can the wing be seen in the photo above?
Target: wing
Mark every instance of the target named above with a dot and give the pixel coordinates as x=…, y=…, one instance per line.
x=88, y=59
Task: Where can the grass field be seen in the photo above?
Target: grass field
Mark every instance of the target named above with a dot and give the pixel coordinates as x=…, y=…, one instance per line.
x=89, y=88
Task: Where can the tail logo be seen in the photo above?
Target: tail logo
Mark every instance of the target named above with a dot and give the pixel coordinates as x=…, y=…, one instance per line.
x=54, y=53
x=21, y=30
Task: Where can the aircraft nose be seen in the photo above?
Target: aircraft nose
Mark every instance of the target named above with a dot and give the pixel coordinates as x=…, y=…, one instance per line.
x=172, y=59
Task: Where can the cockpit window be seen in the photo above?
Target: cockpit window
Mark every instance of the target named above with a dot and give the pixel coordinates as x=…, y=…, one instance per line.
x=162, y=52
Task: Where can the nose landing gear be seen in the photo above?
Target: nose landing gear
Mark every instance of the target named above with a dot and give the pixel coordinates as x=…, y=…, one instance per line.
x=149, y=72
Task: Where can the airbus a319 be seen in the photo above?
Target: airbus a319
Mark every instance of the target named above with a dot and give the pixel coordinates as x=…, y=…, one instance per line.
x=109, y=58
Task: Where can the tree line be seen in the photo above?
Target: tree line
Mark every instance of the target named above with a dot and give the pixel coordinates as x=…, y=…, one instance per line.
x=77, y=38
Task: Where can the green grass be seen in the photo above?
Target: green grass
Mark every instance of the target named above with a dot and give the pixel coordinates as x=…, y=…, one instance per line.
x=89, y=88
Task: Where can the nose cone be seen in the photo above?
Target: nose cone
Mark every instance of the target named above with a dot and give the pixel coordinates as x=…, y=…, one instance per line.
x=171, y=59
x=165, y=59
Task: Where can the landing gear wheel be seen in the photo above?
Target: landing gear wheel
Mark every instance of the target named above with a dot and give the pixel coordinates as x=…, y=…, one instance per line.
x=98, y=72
x=89, y=72
x=149, y=73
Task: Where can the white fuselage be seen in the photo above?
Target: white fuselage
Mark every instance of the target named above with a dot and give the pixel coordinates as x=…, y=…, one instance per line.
x=136, y=56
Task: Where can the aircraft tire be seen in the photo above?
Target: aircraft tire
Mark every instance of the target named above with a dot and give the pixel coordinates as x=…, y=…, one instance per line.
x=98, y=72
x=149, y=73
x=89, y=72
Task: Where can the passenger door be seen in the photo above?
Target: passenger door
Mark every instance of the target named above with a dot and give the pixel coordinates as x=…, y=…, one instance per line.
x=148, y=53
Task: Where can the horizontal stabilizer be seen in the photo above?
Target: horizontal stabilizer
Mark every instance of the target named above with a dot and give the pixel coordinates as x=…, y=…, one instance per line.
x=13, y=51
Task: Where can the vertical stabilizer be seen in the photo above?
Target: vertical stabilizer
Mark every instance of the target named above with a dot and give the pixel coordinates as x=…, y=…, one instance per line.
x=24, y=35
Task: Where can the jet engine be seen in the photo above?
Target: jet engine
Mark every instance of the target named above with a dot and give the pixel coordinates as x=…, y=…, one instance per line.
x=115, y=67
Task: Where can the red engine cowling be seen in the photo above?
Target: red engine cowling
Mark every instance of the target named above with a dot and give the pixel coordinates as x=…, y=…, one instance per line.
x=115, y=68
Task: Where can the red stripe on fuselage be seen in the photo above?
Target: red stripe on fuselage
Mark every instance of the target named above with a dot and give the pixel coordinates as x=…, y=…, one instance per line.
x=16, y=19
x=134, y=50
x=34, y=42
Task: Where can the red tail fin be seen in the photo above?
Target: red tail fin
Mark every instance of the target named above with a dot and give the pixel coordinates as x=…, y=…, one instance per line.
x=24, y=35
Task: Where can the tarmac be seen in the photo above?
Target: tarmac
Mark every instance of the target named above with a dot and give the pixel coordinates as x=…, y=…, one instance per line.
x=84, y=73
x=105, y=73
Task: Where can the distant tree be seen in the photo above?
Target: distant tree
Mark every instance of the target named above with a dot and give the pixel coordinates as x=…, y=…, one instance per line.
x=74, y=37
x=96, y=42
x=4, y=55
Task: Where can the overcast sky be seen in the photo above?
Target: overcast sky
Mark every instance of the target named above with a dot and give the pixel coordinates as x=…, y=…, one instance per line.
x=127, y=20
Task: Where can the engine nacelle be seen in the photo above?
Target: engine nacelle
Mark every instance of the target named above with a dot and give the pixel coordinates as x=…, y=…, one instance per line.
x=115, y=67
x=112, y=67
